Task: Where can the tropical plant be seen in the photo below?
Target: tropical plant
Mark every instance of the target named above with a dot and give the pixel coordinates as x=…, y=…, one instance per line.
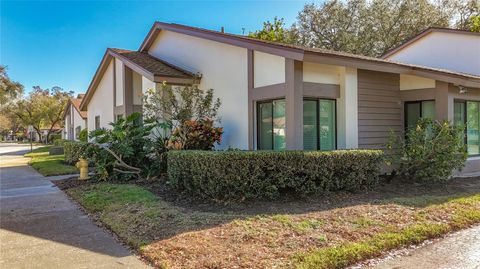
x=429, y=153
x=195, y=135
x=125, y=151
x=83, y=135
x=175, y=104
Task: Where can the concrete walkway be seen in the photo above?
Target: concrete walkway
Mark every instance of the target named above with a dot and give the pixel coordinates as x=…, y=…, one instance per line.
x=41, y=228
x=457, y=250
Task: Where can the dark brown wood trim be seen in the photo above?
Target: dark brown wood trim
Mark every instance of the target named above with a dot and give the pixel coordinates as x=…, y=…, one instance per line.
x=274, y=91
x=251, y=105
x=294, y=104
x=249, y=43
x=321, y=90
x=114, y=87
x=96, y=79
x=417, y=95
x=391, y=67
x=128, y=91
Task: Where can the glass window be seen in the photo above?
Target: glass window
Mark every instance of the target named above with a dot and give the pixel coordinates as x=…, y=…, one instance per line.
x=319, y=126
x=416, y=110
x=327, y=125
x=473, y=128
x=77, y=132
x=271, y=125
x=97, y=122
x=310, y=126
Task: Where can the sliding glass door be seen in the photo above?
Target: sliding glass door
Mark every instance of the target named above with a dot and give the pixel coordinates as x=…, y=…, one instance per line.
x=271, y=125
x=467, y=114
x=416, y=110
x=319, y=124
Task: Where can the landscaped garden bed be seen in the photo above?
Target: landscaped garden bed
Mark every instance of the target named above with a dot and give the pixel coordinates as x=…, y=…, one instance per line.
x=324, y=231
x=50, y=165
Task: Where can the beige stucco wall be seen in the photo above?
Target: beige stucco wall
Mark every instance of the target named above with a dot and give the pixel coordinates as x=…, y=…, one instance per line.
x=452, y=51
x=119, y=73
x=268, y=69
x=77, y=121
x=223, y=68
x=101, y=103
x=347, y=103
x=322, y=73
x=409, y=82
x=137, y=88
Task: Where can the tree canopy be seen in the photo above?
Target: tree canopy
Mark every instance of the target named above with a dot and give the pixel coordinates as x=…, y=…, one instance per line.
x=42, y=109
x=9, y=89
x=369, y=27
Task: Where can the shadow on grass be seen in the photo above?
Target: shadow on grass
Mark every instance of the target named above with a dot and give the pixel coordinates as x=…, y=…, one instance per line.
x=144, y=213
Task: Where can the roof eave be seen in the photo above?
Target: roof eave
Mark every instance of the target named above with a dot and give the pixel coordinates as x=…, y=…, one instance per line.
x=383, y=66
x=292, y=53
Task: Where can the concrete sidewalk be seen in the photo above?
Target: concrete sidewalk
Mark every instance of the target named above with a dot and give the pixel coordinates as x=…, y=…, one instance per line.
x=457, y=250
x=41, y=228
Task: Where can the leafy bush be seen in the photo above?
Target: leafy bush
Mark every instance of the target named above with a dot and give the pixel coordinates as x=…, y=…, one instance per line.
x=193, y=134
x=429, y=153
x=59, y=142
x=73, y=150
x=126, y=151
x=83, y=135
x=187, y=113
x=238, y=175
x=53, y=137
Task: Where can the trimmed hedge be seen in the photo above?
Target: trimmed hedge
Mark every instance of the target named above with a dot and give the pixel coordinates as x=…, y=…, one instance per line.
x=74, y=149
x=239, y=175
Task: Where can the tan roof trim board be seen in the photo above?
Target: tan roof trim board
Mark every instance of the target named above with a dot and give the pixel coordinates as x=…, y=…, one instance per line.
x=422, y=34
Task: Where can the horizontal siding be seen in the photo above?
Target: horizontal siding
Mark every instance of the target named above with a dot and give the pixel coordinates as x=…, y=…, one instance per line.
x=379, y=108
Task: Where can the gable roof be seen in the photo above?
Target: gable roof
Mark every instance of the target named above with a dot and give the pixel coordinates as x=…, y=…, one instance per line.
x=75, y=102
x=303, y=53
x=424, y=33
x=146, y=65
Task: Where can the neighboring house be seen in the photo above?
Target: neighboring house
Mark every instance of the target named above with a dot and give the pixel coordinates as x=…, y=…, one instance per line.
x=451, y=49
x=44, y=131
x=277, y=96
x=75, y=119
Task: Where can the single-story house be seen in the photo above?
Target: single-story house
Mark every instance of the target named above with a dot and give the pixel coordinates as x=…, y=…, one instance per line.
x=75, y=119
x=279, y=96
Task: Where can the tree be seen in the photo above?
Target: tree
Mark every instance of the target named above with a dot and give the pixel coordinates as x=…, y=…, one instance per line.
x=369, y=27
x=8, y=89
x=50, y=104
x=475, y=24
x=274, y=31
x=43, y=108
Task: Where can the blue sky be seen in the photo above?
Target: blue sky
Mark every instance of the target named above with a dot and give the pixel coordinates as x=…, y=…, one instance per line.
x=60, y=43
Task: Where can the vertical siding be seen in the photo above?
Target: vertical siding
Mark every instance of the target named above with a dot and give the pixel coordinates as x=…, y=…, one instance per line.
x=379, y=108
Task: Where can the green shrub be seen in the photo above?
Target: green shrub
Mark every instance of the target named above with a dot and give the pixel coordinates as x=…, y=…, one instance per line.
x=74, y=150
x=239, y=175
x=59, y=142
x=429, y=153
x=136, y=151
x=83, y=135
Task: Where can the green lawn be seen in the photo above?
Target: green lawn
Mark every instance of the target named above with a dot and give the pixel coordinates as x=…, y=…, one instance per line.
x=49, y=165
x=329, y=232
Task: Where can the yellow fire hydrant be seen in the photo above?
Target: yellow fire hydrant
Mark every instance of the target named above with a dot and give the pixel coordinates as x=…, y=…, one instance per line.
x=82, y=165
